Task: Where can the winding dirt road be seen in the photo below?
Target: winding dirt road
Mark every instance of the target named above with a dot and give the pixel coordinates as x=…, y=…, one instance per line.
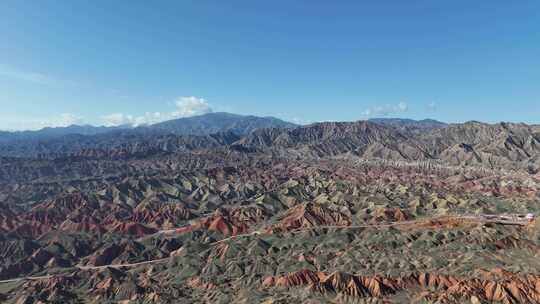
x=515, y=219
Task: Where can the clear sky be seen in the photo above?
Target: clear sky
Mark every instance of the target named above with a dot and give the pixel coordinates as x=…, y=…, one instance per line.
x=110, y=62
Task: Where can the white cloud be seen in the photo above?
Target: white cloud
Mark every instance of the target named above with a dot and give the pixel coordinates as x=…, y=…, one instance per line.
x=432, y=106
x=31, y=76
x=386, y=110
x=150, y=118
x=184, y=107
x=64, y=120
x=119, y=119
x=402, y=107
x=28, y=123
x=191, y=106
x=20, y=75
x=116, y=119
x=300, y=121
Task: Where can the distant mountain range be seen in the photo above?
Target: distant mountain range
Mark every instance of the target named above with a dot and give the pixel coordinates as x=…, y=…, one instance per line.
x=507, y=145
x=197, y=125
x=208, y=130
x=206, y=124
x=410, y=123
x=219, y=122
x=50, y=133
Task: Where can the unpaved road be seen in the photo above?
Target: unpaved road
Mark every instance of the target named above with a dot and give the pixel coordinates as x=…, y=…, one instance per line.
x=508, y=220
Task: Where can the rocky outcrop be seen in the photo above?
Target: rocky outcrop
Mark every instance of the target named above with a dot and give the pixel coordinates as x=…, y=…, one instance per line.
x=227, y=222
x=310, y=215
x=503, y=287
x=131, y=228
x=367, y=215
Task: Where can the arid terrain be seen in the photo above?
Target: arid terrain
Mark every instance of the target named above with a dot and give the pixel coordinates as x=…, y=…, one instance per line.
x=259, y=211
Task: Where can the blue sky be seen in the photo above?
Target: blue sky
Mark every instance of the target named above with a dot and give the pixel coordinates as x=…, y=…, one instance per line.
x=110, y=62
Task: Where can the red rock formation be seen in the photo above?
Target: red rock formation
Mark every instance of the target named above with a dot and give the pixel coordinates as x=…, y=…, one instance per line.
x=54, y=289
x=391, y=215
x=86, y=224
x=161, y=215
x=301, y=277
x=336, y=282
x=32, y=229
x=227, y=222
x=131, y=228
x=494, y=286
x=310, y=215
x=8, y=219
x=197, y=282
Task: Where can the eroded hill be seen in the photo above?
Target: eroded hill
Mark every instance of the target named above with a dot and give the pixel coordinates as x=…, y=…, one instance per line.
x=327, y=213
